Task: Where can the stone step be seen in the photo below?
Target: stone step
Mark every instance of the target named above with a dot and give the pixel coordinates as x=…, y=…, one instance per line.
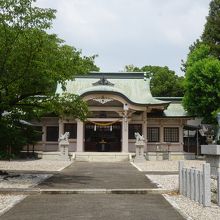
x=101, y=156
x=53, y=156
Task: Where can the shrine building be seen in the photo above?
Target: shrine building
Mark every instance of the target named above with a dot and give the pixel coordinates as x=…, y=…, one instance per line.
x=119, y=105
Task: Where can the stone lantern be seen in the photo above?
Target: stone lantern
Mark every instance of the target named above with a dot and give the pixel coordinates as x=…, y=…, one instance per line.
x=212, y=151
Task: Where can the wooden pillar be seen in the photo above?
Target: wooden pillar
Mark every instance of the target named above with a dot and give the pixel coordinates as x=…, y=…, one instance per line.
x=80, y=137
x=161, y=132
x=44, y=130
x=144, y=128
x=125, y=134
x=181, y=137
x=61, y=127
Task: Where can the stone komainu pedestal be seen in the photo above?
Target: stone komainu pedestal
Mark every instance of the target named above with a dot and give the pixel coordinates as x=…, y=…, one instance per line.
x=64, y=146
x=139, y=151
x=64, y=149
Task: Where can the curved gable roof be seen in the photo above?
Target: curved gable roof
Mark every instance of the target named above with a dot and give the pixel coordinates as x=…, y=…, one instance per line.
x=135, y=87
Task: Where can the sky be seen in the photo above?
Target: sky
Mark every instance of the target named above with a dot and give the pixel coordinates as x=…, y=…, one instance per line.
x=124, y=32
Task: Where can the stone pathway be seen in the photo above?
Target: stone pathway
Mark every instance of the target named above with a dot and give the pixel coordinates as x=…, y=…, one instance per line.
x=88, y=175
x=82, y=175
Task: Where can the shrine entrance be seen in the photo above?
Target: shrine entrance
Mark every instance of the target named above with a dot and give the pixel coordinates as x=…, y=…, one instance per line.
x=103, y=138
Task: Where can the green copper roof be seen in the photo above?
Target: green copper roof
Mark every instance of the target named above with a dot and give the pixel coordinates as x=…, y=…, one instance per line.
x=135, y=87
x=175, y=110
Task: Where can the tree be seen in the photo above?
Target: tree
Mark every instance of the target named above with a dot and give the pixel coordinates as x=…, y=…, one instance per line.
x=202, y=96
x=164, y=82
x=211, y=34
x=32, y=62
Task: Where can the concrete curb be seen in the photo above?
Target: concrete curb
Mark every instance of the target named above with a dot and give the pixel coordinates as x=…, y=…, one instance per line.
x=177, y=208
x=34, y=191
x=138, y=168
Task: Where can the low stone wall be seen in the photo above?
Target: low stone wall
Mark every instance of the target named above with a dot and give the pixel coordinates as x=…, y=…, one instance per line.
x=164, y=155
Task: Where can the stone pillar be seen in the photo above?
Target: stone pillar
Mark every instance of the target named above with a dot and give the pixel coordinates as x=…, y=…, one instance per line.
x=144, y=128
x=44, y=130
x=161, y=136
x=80, y=137
x=181, y=137
x=61, y=127
x=125, y=134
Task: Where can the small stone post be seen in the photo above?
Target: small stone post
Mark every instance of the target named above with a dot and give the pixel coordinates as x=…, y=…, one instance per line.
x=181, y=164
x=200, y=187
x=206, y=185
x=184, y=181
x=218, y=188
x=196, y=187
x=188, y=190
x=192, y=180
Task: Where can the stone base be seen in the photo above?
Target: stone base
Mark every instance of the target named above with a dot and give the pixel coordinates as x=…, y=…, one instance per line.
x=214, y=161
x=211, y=149
x=212, y=154
x=101, y=157
x=139, y=159
x=64, y=152
x=164, y=155
x=53, y=156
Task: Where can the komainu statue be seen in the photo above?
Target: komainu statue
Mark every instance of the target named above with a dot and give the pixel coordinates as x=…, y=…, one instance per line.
x=64, y=139
x=138, y=137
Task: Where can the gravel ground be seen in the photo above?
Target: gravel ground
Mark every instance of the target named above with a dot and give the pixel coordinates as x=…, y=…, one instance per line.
x=171, y=182
x=24, y=180
x=192, y=210
x=40, y=165
x=20, y=181
x=165, y=181
x=8, y=201
x=166, y=165
x=188, y=208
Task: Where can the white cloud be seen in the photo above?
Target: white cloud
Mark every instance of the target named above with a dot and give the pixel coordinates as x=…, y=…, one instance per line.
x=142, y=32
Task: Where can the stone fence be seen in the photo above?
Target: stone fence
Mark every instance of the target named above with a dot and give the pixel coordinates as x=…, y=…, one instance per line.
x=196, y=184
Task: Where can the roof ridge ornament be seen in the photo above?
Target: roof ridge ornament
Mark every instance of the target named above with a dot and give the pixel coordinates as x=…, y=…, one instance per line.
x=103, y=81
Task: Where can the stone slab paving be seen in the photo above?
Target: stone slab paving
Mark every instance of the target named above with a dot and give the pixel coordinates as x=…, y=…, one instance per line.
x=96, y=207
x=96, y=175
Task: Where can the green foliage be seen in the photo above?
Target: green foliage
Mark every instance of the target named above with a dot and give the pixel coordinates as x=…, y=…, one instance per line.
x=202, y=96
x=32, y=62
x=67, y=104
x=12, y=139
x=164, y=82
x=199, y=52
x=211, y=34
